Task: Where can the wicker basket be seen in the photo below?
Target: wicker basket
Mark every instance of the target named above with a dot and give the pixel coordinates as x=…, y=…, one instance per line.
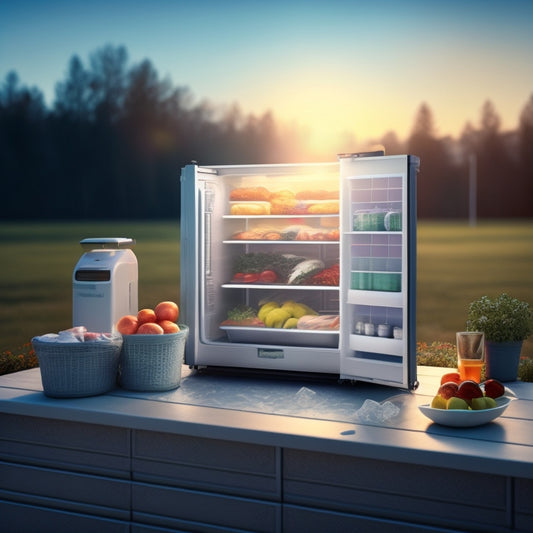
x=77, y=369
x=150, y=363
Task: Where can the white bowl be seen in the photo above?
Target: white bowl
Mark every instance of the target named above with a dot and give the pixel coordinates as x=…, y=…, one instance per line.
x=463, y=417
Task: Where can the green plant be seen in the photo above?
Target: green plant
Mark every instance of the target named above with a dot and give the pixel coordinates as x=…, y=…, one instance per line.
x=502, y=319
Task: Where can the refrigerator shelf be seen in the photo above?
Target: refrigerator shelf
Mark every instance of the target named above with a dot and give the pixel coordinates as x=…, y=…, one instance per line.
x=289, y=216
x=381, y=298
x=280, y=336
x=253, y=241
x=372, y=232
x=373, y=176
x=364, y=343
x=280, y=286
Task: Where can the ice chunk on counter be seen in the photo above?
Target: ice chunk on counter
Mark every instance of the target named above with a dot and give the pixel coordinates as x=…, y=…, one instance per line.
x=372, y=411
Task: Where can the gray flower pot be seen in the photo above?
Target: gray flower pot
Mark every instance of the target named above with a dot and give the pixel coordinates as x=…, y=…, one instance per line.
x=502, y=359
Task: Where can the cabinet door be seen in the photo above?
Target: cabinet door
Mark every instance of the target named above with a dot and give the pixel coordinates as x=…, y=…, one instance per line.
x=378, y=269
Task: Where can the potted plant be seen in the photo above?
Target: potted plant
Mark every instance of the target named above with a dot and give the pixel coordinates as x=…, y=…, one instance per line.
x=506, y=323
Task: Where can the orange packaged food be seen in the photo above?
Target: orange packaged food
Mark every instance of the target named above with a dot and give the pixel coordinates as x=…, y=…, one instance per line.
x=250, y=208
x=317, y=195
x=324, y=208
x=247, y=194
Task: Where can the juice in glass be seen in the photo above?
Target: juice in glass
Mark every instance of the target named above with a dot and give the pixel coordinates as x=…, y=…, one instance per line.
x=470, y=369
x=470, y=354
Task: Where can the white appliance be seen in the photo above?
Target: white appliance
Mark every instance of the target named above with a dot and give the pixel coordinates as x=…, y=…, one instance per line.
x=104, y=283
x=356, y=215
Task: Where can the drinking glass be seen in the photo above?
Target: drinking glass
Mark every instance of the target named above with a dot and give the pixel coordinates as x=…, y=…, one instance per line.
x=470, y=354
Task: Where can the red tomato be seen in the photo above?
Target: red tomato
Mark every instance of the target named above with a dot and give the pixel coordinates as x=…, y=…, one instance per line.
x=250, y=278
x=268, y=276
x=238, y=277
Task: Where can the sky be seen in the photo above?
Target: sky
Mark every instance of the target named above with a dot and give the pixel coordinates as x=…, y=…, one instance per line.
x=339, y=68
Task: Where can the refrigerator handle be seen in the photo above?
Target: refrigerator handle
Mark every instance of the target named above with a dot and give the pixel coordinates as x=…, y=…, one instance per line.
x=208, y=199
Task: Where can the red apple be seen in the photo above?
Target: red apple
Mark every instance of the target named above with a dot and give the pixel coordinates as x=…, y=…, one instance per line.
x=448, y=389
x=494, y=388
x=469, y=389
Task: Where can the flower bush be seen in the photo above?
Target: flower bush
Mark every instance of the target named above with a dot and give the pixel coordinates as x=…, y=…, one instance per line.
x=525, y=369
x=21, y=359
x=442, y=354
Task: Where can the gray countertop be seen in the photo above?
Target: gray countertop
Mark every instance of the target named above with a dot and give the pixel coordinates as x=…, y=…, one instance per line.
x=305, y=414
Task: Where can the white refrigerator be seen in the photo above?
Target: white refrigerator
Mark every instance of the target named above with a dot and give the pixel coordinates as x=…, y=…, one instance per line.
x=302, y=268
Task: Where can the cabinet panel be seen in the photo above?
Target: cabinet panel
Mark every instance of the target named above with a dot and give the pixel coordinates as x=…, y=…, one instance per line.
x=210, y=464
x=297, y=519
x=21, y=518
x=89, y=448
x=194, y=510
x=412, y=493
x=523, y=493
x=65, y=490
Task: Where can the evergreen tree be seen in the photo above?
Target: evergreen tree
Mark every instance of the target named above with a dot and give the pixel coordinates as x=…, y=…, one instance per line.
x=496, y=171
x=439, y=193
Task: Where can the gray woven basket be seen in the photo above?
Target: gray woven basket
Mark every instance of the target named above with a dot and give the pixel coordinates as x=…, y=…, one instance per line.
x=77, y=369
x=150, y=363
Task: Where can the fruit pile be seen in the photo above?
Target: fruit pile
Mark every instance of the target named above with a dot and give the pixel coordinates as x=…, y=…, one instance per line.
x=456, y=394
x=157, y=321
x=285, y=315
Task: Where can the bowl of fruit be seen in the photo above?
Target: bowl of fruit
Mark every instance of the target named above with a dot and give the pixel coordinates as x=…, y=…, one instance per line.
x=466, y=403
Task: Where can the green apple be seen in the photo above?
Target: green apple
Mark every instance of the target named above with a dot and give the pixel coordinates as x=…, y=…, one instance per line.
x=438, y=402
x=479, y=403
x=456, y=403
x=490, y=403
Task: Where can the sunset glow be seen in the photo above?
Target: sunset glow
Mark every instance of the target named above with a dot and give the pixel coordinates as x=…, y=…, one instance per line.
x=342, y=71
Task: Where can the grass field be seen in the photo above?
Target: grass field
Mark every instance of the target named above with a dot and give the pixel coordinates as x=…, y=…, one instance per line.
x=456, y=264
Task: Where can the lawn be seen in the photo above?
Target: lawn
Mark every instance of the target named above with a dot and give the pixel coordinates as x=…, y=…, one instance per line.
x=456, y=264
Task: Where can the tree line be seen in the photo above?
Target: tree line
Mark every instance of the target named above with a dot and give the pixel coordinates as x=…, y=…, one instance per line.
x=113, y=142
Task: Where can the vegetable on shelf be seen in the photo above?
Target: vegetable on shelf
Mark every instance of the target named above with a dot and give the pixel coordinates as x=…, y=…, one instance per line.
x=269, y=268
x=281, y=265
x=268, y=276
x=243, y=315
x=303, y=270
x=328, y=276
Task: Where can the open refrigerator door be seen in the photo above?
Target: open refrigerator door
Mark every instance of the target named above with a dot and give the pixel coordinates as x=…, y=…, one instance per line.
x=378, y=270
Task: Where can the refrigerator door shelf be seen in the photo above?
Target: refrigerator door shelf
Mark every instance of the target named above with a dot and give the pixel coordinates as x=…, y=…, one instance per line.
x=382, y=372
x=365, y=343
x=388, y=299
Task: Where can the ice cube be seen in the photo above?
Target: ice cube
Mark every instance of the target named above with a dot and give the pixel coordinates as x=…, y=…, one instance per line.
x=372, y=411
x=389, y=410
x=305, y=397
